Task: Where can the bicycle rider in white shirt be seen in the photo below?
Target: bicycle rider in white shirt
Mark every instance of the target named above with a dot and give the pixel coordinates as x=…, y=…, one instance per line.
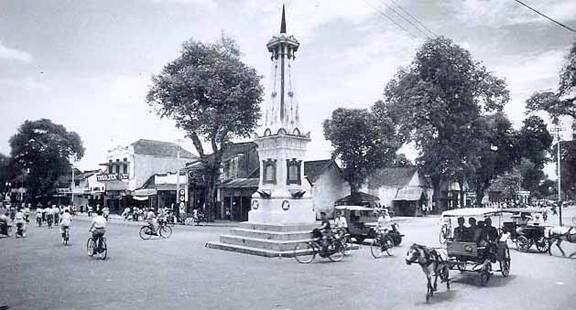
x=65, y=222
x=98, y=229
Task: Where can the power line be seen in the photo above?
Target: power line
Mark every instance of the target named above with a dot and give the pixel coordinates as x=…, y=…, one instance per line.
x=390, y=19
x=405, y=19
x=549, y=18
x=414, y=18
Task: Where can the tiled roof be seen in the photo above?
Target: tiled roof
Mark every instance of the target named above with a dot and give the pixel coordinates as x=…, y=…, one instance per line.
x=356, y=198
x=232, y=149
x=392, y=177
x=314, y=169
x=160, y=148
x=241, y=183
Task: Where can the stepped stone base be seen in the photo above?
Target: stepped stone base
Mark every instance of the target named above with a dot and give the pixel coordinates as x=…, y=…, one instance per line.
x=264, y=239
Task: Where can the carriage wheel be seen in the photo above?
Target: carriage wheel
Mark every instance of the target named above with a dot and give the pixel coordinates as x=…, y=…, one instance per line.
x=484, y=277
x=574, y=220
x=524, y=244
x=542, y=245
x=304, y=253
x=505, y=263
x=376, y=248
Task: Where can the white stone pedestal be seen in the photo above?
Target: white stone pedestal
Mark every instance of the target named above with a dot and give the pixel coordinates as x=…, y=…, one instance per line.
x=282, y=211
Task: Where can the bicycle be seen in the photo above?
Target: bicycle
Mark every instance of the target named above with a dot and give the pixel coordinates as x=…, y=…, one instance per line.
x=304, y=253
x=342, y=234
x=163, y=231
x=100, y=252
x=195, y=220
x=381, y=244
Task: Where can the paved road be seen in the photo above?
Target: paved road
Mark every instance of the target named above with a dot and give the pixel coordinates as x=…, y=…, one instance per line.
x=180, y=273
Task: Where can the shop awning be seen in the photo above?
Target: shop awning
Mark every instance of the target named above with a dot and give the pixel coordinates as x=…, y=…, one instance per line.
x=144, y=193
x=409, y=194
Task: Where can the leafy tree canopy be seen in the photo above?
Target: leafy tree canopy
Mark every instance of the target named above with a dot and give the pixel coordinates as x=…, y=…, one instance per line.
x=41, y=152
x=562, y=102
x=438, y=100
x=361, y=141
x=213, y=96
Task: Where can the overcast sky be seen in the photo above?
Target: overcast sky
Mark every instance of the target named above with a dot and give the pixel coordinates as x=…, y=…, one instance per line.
x=88, y=64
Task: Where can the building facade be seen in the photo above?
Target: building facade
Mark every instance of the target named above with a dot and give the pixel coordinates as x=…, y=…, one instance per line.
x=129, y=167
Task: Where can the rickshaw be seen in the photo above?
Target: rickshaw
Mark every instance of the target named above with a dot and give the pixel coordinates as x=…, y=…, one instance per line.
x=468, y=256
x=526, y=228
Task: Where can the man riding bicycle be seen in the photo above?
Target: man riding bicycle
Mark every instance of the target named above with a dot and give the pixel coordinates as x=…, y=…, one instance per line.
x=151, y=220
x=98, y=228
x=19, y=220
x=65, y=224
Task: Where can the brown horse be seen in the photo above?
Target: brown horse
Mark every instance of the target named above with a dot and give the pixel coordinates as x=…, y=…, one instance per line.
x=433, y=263
x=557, y=234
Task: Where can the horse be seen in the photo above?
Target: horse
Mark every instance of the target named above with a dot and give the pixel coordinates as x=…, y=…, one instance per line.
x=434, y=262
x=557, y=234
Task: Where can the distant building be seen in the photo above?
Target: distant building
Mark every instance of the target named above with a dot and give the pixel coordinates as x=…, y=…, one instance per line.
x=88, y=191
x=404, y=190
x=129, y=167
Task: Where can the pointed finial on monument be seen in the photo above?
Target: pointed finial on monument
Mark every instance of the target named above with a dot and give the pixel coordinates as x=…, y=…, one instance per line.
x=283, y=24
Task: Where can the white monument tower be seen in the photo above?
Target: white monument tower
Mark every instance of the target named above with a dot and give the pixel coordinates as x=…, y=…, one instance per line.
x=282, y=214
x=281, y=197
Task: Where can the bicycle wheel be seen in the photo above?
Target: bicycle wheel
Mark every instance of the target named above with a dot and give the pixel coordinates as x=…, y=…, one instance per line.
x=337, y=252
x=103, y=251
x=90, y=247
x=376, y=248
x=166, y=232
x=347, y=245
x=387, y=245
x=145, y=233
x=304, y=253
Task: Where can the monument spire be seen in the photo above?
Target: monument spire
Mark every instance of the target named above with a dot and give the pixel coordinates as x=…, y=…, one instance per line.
x=281, y=112
x=283, y=23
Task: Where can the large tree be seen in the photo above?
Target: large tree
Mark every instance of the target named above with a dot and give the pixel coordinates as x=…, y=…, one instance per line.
x=213, y=97
x=362, y=142
x=496, y=147
x=438, y=98
x=41, y=152
x=534, y=142
x=568, y=169
x=561, y=102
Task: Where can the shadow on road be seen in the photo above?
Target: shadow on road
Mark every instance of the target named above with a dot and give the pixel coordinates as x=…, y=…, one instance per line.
x=440, y=296
x=473, y=278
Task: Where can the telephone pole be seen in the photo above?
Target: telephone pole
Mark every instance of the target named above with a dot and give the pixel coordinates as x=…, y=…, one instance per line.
x=558, y=159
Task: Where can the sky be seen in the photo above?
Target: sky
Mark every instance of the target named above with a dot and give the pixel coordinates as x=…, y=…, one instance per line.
x=88, y=64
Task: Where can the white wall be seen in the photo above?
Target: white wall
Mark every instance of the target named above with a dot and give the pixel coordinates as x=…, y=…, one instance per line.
x=147, y=165
x=328, y=188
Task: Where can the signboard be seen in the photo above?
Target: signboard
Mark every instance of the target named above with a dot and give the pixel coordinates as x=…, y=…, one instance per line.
x=111, y=177
x=63, y=190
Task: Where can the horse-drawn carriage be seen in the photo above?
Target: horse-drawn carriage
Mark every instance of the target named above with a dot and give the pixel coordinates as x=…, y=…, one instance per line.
x=526, y=228
x=470, y=256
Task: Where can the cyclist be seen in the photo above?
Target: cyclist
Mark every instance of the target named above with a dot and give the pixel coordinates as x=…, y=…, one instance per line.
x=98, y=228
x=50, y=216
x=39, y=216
x=151, y=220
x=65, y=223
x=106, y=212
x=27, y=212
x=19, y=220
x=56, y=212
x=4, y=224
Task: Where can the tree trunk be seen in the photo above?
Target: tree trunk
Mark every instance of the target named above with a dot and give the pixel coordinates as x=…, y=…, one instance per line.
x=461, y=187
x=479, y=197
x=436, y=194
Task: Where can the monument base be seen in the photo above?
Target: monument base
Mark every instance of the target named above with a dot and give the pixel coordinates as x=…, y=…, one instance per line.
x=282, y=211
x=269, y=240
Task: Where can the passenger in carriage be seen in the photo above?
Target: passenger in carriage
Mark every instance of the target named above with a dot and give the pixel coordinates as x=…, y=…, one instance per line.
x=491, y=231
x=461, y=232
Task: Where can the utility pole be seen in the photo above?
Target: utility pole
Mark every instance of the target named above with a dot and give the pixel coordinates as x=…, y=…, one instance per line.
x=178, y=174
x=72, y=187
x=558, y=129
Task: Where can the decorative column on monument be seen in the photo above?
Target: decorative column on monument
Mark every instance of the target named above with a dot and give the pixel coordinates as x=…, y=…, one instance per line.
x=281, y=197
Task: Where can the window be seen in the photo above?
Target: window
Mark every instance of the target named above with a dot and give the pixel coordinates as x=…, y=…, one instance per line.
x=293, y=169
x=269, y=171
x=125, y=169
